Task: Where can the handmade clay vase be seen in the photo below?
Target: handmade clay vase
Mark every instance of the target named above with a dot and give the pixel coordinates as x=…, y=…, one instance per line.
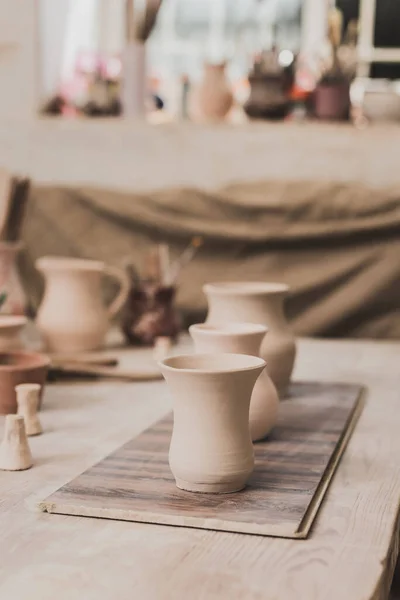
x=213, y=98
x=72, y=316
x=10, y=282
x=11, y=328
x=243, y=338
x=17, y=368
x=263, y=303
x=211, y=449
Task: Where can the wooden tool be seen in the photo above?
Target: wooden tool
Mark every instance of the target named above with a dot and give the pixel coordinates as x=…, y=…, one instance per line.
x=15, y=454
x=28, y=395
x=87, y=370
x=95, y=359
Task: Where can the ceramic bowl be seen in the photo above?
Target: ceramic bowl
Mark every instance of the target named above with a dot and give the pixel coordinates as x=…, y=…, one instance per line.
x=16, y=368
x=11, y=327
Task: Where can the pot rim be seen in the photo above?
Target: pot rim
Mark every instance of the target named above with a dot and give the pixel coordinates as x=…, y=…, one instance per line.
x=246, y=288
x=54, y=263
x=229, y=363
x=12, y=322
x=228, y=329
x=35, y=360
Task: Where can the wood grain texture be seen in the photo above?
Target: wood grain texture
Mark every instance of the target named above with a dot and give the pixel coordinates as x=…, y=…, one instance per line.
x=350, y=553
x=292, y=473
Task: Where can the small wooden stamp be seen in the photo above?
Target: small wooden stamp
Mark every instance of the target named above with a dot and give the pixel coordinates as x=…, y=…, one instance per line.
x=28, y=395
x=15, y=454
x=162, y=347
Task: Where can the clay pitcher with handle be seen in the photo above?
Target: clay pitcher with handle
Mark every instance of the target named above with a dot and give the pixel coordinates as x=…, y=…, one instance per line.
x=72, y=316
x=263, y=303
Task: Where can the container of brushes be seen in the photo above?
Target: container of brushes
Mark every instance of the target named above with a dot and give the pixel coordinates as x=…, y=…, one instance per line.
x=140, y=18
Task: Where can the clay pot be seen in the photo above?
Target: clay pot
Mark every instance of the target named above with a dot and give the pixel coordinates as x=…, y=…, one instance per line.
x=262, y=303
x=10, y=332
x=213, y=98
x=268, y=99
x=211, y=449
x=17, y=368
x=72, y=316
x=332, y=101
x=243, y=338
x=10, y=283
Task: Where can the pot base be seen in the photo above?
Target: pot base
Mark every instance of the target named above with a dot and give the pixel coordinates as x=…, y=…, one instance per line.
x=210, y=488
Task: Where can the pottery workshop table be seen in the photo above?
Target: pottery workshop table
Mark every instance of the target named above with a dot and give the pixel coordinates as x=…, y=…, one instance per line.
x=350, y=554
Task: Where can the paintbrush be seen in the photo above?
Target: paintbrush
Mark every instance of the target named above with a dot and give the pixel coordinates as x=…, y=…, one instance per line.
x=165, y=264
x=17, y=212
x=186, y=256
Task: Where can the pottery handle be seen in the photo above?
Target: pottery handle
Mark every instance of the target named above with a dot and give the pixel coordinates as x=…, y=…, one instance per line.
x=124, y=282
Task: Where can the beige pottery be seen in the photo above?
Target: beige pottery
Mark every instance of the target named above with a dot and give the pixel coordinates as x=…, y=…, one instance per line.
x=263, y=303
x=211, y=449
x=11, y=327
x=243, y=338
x=213, y=98
x=72, y=316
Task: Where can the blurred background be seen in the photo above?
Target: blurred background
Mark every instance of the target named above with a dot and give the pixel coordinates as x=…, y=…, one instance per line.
x=266, y=130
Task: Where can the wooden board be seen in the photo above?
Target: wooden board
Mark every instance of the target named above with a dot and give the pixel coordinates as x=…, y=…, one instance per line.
x=292, y=473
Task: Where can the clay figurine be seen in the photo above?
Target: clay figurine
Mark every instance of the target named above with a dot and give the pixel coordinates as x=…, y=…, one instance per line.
x=28, y=395
x=15, y=454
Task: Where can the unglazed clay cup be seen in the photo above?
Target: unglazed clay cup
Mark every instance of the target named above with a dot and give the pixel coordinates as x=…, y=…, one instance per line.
x=243, y=338
x=17, y=368
x=262, y=303
x=11, y=327
x=211, y=449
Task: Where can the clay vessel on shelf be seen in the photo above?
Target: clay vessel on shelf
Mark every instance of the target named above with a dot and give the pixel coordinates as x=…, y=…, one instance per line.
x=72, y=316
x=262, y=303
x=17, y=368
x=243, y=338
x=10, y=332
x=213, y=98
x=211, y=449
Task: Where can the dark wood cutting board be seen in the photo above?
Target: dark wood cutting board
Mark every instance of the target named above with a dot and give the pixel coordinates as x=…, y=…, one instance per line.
x=292, y=473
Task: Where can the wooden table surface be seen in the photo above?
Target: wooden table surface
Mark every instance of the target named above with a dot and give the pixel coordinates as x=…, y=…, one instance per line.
x=350, y=554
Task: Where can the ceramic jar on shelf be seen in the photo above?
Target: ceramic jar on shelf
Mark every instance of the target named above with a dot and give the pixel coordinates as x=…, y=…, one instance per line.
x=213, y=98
x=211, y=449
x=260, y=303
x=243, y=338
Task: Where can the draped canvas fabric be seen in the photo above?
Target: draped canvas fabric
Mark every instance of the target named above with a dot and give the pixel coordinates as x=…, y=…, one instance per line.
x=337, y=245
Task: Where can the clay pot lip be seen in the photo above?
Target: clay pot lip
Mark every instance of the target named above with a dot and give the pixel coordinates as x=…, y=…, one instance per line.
x=12, y=246
x=212, y=364
x=12, y=322
x=54, y=263
x=246, y=288
x=23, y=361
x=228, y=329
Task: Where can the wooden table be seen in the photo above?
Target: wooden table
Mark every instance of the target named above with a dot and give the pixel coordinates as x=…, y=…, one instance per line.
x=350, y=554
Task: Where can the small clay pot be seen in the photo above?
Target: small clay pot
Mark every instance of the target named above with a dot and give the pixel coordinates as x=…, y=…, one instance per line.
x=262, y=303
x=243, y=338
x=10, y=332
x=17, y=368
x=211, y=449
